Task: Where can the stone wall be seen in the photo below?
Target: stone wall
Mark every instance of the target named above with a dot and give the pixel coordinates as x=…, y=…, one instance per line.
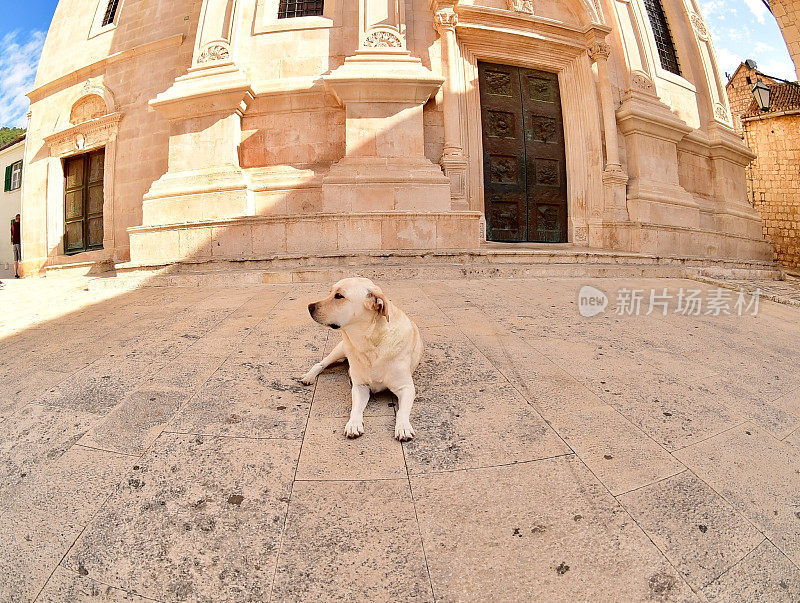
x=787, y=13
x=774, y=182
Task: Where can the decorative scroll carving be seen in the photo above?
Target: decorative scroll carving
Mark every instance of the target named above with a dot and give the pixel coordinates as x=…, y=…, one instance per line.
x=641, y=81
x=599, y=50
x=382, y=39
x=699, y=26
x=445, y=19
x=720, y=112
x=216, y=51
x=520, y=6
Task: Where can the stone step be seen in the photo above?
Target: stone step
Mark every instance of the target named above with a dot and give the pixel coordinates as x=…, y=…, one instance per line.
x=425, y=265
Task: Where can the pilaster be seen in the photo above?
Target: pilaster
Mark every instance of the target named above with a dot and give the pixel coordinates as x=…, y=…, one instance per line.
x=204, y=108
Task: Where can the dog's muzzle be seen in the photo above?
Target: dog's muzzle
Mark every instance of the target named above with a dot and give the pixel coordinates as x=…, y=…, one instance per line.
x=312, y=308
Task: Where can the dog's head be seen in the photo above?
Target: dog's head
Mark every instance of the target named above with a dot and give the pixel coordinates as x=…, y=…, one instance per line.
x=352, y=301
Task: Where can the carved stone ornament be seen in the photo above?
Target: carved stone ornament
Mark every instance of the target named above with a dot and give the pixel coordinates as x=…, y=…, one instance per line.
x=520, y=6
x=641, y=81
x=86, y=136
x=382, y=39
x=216, y=51
x=699, y=26
x=720, y=112
x=445, y=19
x=599, y=50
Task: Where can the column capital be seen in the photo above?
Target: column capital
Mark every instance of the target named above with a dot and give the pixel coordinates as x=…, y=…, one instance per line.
x=445, y=20
x=599, y=50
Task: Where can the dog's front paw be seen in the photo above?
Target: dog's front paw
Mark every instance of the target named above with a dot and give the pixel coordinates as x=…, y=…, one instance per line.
x=354, y=428
x=403, y=431
x=309, y=377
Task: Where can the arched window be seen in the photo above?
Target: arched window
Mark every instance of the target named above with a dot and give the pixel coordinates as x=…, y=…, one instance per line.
x=664, y=43
x=111, y=12
x=299, y=8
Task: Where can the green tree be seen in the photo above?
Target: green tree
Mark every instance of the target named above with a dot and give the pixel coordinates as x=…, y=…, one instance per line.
x=8, y=134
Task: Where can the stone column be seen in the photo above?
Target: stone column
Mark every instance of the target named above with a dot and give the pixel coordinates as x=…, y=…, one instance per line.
x=453, y=160
x=614, y=177
x=204, y=107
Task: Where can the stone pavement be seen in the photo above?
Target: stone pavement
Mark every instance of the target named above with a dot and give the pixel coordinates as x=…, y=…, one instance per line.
x=154, y=445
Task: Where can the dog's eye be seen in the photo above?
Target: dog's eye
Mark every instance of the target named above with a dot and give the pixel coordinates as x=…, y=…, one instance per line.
x=338, y=296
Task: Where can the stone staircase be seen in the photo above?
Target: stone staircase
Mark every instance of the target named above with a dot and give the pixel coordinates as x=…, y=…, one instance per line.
x=489, y=261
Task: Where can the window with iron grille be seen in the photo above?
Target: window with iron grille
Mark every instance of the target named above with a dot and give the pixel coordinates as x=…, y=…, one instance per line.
x=111, y=12
x=299, y=8
x=664, y=43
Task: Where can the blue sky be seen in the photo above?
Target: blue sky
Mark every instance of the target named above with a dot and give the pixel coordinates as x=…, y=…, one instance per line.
x=742, y=29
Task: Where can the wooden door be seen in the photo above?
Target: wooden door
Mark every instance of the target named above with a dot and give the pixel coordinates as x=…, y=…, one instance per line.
x=83, y=202
x=524, y=163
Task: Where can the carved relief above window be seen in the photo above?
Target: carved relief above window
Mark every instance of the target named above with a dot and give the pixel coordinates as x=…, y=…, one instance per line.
x=87, y=108
x=216, y=51
x=382, y=39
x=699, y=26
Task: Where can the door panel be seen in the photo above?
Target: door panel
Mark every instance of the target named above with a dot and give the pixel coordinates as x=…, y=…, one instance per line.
x=83, y=202
x=524, y=166
x=503, y=153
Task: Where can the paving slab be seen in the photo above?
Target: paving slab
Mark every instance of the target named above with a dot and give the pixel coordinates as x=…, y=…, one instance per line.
x=329, y=455
x=699, y=532
x=37, y=533
x=333, y=396
x=136, y=422
x=197, y=518
x=545, y=530
x=621, y=456
x=478, y=426
x=65, y=586
x=352, y=541
x=764, y=575
x=103, y=384
x=241, y=401
x=32, y=439
x=757, y=474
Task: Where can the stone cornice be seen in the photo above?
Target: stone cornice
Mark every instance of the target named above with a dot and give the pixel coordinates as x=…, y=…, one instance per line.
x=83, y=137
x=77, y=76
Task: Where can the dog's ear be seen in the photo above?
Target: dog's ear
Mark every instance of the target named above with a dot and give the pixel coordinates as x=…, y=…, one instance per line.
x=378, y=302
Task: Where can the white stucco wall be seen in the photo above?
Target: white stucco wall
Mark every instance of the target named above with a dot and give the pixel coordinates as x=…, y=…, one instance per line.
x=10, y=205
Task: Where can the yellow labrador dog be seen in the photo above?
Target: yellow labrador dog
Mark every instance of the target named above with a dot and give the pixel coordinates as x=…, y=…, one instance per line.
x=382, y=346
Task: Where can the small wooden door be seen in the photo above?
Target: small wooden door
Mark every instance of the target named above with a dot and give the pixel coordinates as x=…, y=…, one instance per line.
x=524, y=162
x=83, y=202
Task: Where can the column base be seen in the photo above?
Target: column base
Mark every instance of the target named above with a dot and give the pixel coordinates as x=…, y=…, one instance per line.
x=364, y=184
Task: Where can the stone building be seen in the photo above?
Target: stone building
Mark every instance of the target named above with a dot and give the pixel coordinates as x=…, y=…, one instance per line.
x=11, y=155
x=773, y=178
x=165, y=130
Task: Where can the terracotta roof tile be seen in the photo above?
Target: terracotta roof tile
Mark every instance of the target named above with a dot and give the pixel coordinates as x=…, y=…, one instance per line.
x=783, y=97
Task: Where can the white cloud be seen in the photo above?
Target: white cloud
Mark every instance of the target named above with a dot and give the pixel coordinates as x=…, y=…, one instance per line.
x=779, y=68
x=758, y=9
x=19, y=57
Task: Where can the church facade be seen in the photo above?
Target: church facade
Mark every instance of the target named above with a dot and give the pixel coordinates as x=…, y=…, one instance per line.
x=238, y=129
